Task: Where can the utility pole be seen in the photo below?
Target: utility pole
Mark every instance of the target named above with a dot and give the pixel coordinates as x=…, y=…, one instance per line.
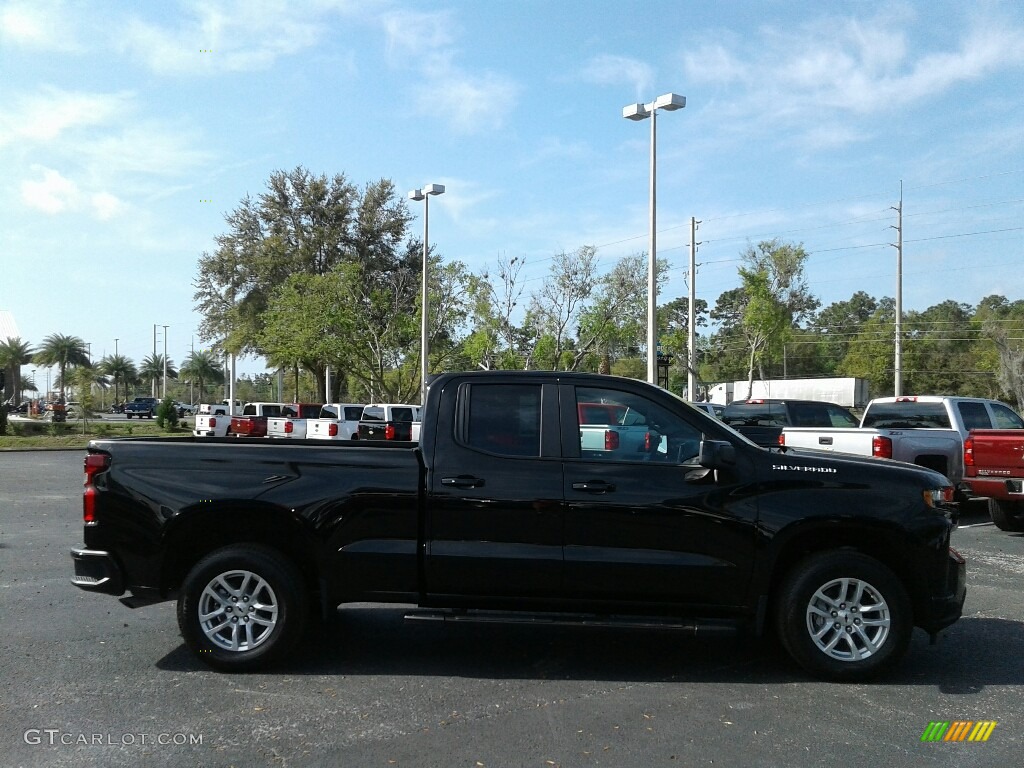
x=898, y=245
x=691, y=317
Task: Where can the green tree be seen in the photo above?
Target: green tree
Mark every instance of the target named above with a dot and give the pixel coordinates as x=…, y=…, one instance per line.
x=937, y=350
x=14, y=353
x=556, y=306
x=1002, y=323
x=839, y=323
x=64, y=352
x=202, y=367
x=872, y=351
x=122, y=370
x=496, y=339
x=152, y=370
x=613, y=324
x=84, y=378
x=302, y=224
x=775, y=299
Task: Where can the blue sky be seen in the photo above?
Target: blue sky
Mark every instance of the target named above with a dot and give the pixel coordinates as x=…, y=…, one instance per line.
x=127, y=130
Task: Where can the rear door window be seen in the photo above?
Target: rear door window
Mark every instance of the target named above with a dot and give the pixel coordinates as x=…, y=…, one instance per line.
x=505, y=418
x=974, y=415
x=1004, y=418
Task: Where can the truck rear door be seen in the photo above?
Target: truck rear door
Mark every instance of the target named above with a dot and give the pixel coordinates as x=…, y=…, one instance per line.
x=495, y=491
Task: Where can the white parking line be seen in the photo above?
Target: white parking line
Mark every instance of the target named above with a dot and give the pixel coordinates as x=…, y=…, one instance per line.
x=975, y=525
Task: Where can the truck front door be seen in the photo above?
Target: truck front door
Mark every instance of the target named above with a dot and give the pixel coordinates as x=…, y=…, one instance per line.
x=495, y=507
x=645, y=523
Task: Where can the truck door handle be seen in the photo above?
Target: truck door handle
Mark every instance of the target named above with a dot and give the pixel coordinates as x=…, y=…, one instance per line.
x=824, y=441
x=462, y=481
x=594, y=486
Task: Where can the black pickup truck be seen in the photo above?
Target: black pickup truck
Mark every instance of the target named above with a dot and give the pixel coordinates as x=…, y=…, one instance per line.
x=508, y=508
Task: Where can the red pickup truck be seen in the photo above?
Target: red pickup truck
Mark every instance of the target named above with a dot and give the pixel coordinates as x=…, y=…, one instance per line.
x=253, y=421
x=994, y=468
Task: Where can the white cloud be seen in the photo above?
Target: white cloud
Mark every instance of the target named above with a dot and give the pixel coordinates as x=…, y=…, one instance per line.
x=836, y=69
x=616, y=70
x=52, y=194
x=39, y=24
x=469, y=103
x=240, y=36
x=413, y=37
x=46, y=115
x=106, y=206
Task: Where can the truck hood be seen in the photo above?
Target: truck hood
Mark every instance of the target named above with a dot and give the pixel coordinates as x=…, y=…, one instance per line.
x=865, y=466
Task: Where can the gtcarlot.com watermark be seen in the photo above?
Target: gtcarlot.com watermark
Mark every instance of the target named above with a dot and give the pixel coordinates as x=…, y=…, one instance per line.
x=53, y=737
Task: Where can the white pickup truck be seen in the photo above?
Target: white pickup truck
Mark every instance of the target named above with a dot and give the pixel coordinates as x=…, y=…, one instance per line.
x=213, y=420
x=292, y=423
x=337, y=421
x=925, y=430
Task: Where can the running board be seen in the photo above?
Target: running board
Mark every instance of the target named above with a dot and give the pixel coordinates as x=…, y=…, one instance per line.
x=702, y=628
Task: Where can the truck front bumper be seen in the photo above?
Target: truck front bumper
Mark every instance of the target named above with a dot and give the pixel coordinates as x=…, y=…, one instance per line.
x=946, y=607
x=96, y=571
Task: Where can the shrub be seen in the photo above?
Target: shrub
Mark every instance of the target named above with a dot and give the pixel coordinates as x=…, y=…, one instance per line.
x=167, y=415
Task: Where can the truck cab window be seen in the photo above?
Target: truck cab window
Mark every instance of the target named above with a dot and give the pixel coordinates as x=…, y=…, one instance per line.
x=1004, y=418
x=621, y=426
x=505, y=418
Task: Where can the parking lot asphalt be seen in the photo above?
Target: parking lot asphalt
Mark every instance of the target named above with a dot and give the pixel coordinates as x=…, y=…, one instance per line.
x=85, y=681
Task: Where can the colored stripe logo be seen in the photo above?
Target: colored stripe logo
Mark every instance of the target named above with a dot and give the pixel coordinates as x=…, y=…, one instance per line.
x=959, y=730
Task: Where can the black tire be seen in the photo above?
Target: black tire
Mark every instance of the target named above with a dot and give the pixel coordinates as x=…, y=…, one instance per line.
x=822, y=624
x=266, y=598
x=1007, y=515
x=128, y=415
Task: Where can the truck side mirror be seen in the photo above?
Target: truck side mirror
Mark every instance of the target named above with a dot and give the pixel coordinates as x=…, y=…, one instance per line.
x=715, y=454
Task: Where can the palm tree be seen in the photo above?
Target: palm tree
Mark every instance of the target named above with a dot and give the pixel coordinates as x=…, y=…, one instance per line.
x=62, y=351
x=14, y=353
x=121, y=368
x=202, y=367
x=153, y=369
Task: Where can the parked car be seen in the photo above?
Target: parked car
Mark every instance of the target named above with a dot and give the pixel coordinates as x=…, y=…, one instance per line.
x=994, y=470
x=212, y=420
x=253, y=420
x=842, y=556
x=184, y=409
x=291, y=424
x=337, y=421
x=390, y=421
x=927, y=430
x=711, y=409
x=141, y=407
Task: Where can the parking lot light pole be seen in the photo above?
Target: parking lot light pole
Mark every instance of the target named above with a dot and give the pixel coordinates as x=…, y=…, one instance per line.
x=424, y=195
x=165, y=361
x=668, y=102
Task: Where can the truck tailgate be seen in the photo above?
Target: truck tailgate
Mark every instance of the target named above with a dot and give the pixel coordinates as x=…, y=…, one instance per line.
x=998, y=452
x=858, y=442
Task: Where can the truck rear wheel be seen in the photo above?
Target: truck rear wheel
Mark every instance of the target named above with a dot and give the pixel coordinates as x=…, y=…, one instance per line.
x=843, y=616
x=242, y=607
x=1007, y=515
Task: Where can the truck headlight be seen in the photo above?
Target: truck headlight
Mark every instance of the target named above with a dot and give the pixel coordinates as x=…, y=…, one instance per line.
x=939, y=497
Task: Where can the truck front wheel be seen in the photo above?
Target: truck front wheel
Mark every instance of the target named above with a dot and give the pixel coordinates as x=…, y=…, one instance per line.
x=242, y=607
x=843, y=616
x=1007, y=515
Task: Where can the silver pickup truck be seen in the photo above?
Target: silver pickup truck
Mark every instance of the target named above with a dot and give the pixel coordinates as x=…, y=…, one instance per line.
x=925, y=430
